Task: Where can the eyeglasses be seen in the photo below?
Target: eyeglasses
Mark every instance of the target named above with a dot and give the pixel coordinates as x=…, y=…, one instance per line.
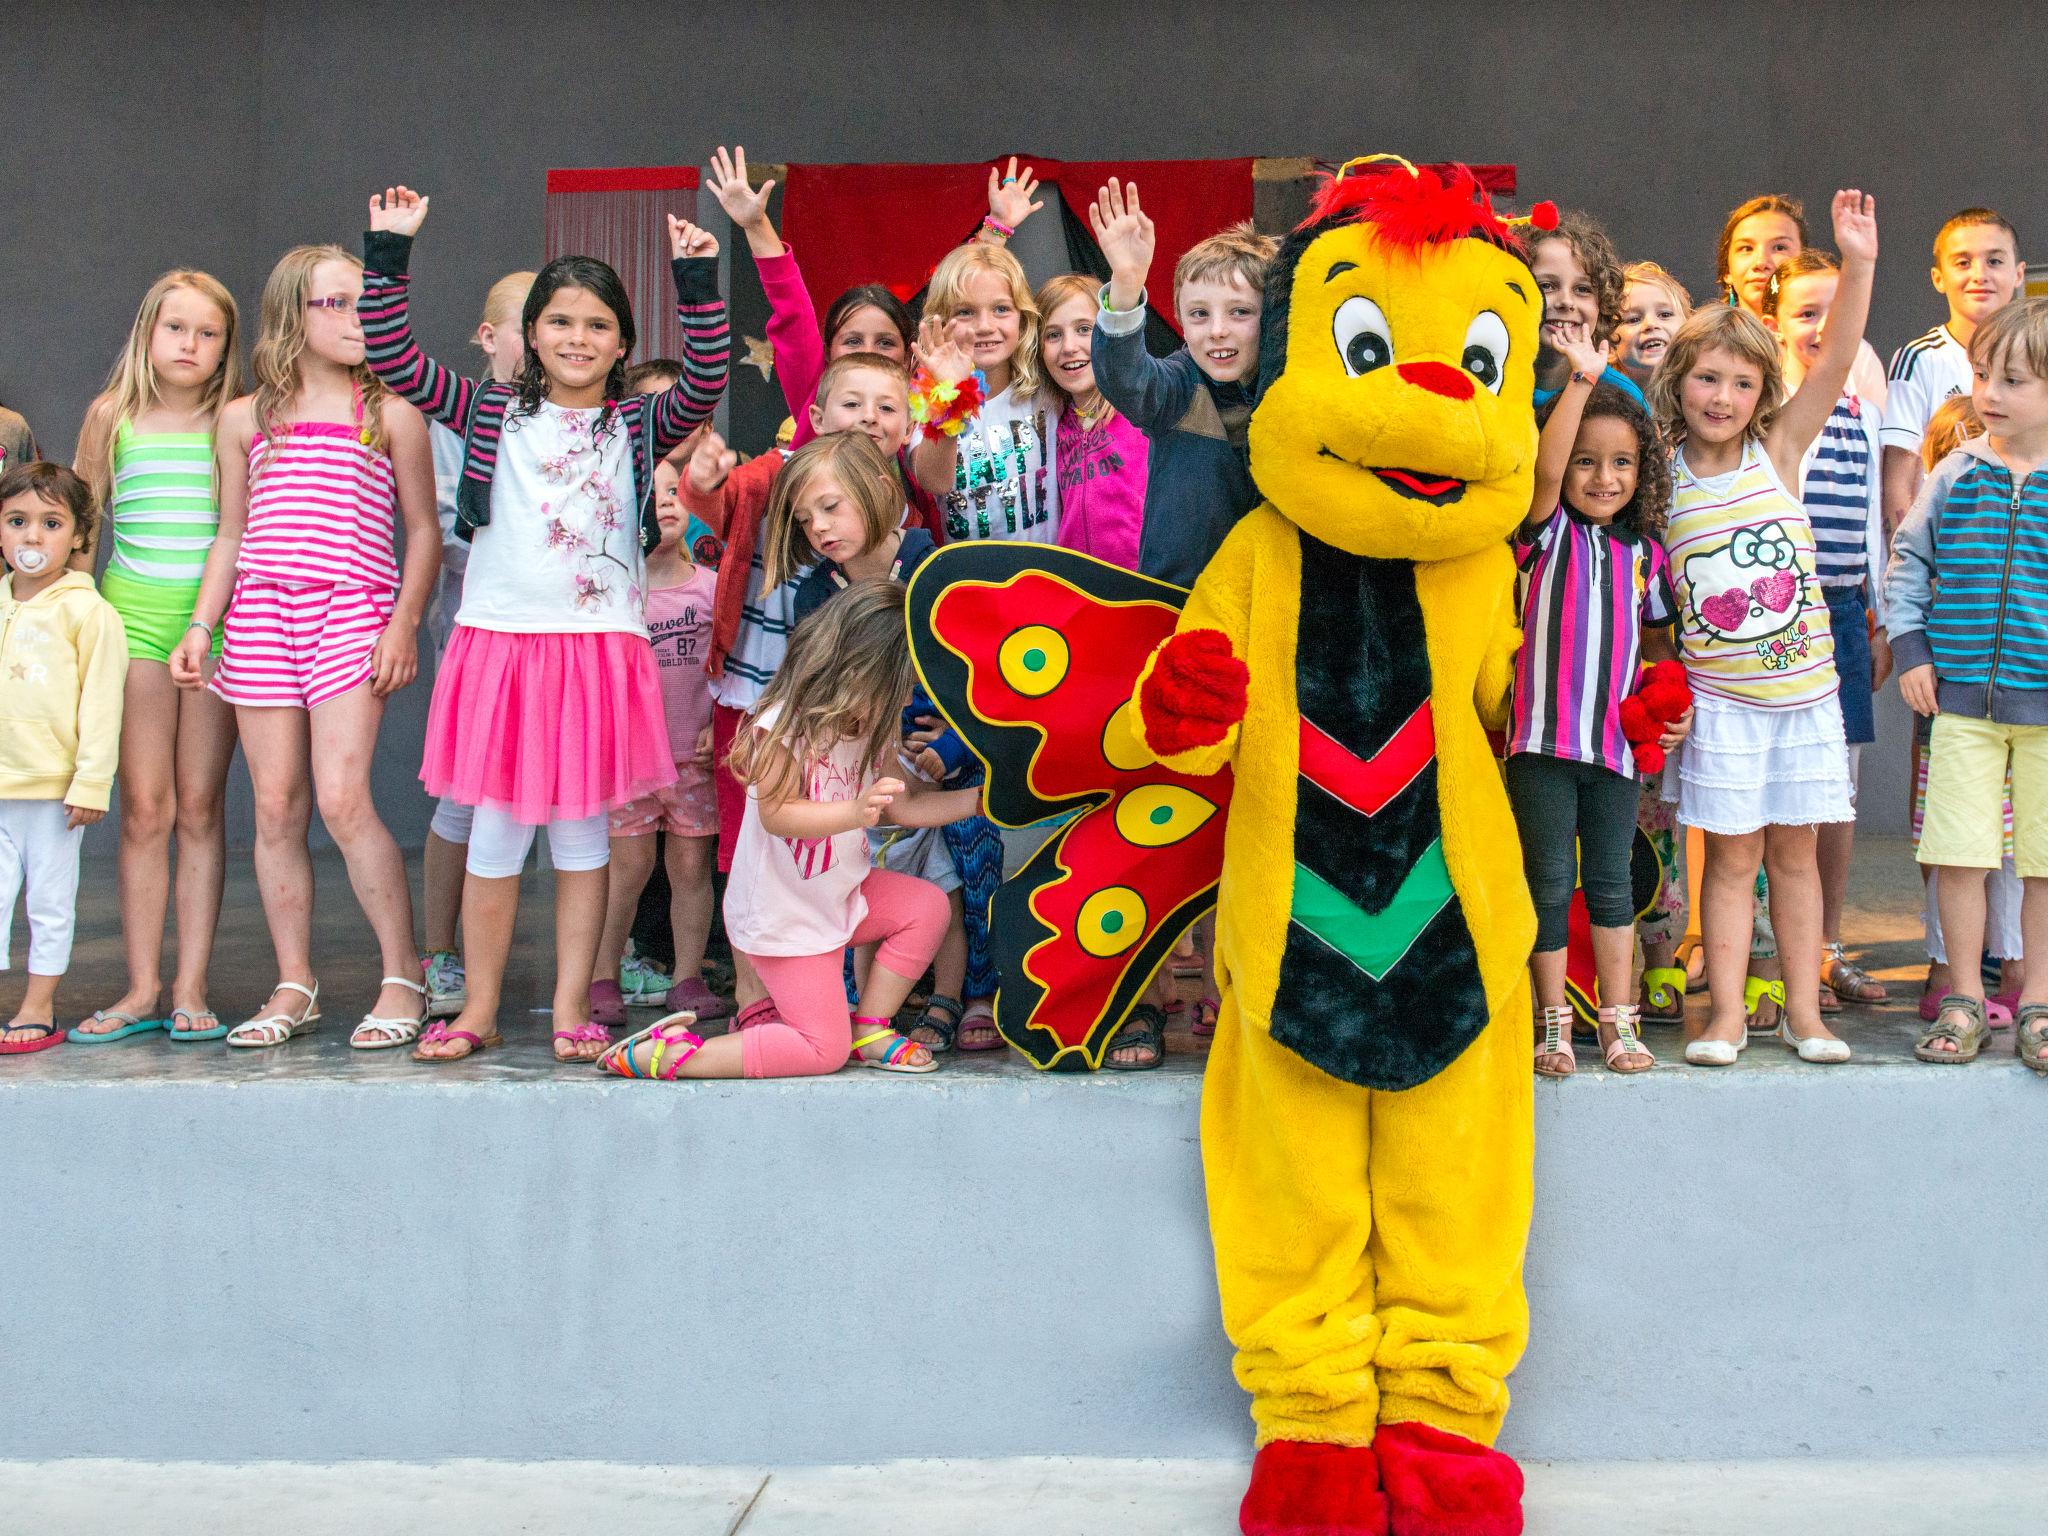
x=340, y=303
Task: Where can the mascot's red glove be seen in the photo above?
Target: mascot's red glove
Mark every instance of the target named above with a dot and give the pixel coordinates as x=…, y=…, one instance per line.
x=1195, y=692
x=1662, y=695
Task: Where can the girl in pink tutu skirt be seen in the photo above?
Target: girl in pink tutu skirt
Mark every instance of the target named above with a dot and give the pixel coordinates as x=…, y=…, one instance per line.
x=547, y=711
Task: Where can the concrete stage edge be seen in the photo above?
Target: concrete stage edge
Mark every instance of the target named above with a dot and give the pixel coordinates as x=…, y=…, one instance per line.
x=530, y=1264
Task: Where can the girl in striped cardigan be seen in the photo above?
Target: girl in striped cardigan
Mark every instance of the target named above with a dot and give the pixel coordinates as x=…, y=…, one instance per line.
x=547, y=710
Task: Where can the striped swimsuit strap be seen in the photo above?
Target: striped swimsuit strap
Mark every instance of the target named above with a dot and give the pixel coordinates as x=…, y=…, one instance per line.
x=162, y=509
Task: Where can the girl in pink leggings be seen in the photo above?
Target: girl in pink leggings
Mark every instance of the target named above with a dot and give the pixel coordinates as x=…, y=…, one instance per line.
x=812, y=754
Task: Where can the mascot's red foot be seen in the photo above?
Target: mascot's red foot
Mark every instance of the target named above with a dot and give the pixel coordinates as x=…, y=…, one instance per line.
x=1301, y=1489
x=1441, y=1484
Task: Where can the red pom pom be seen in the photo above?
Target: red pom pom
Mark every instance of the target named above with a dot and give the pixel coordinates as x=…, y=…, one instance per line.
x=1636, y=723
x=1543, y=216
x=1664, y=702
x=1649, y=757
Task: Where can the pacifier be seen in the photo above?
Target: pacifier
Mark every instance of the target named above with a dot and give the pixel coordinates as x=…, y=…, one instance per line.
x=30, y=561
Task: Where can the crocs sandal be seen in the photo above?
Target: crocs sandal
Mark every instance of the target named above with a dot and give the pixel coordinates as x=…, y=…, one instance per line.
x=1145, y=1029
x=1206, y=1011
x=672, y=1032
x=760, y=1011
x=395, y=1032
x=692, y=994
x=267, y=1029
x=2000, y=1008
x=942, y=1015
x=2033, y=1036
x=187, y=1036
x=439, y=1031
x=129, y=1025
x=1968, y=1037
x=589, y=1032
x=1557, y=1045
x=52, y=1034
x=895, y=1055
x=1663, y=994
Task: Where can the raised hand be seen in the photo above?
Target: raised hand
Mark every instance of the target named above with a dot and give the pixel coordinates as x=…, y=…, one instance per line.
x=743, y=204
x=1009, y=196
x=1574, y=338
x=397, y=211
x=1855, y=214
x=867, y=810
x=710, y=462
x=1125, y=234
x=941, y=350
x=686, y=239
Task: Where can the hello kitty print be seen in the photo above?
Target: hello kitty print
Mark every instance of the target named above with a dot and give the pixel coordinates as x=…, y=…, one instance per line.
x=1753, y=625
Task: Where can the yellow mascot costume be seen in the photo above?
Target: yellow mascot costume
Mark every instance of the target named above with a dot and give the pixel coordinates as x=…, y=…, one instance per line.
x=1366, y=1126
x=1306, y=743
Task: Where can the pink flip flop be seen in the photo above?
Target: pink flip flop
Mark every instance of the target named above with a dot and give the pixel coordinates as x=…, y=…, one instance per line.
x=438, y=1031
x=584, y=1033
x=52, y=1034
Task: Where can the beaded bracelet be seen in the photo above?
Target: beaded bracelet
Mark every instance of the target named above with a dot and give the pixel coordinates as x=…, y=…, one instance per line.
x=989, y=221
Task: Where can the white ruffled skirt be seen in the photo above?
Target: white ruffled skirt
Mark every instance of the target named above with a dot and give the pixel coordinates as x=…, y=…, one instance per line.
x=1744, y=768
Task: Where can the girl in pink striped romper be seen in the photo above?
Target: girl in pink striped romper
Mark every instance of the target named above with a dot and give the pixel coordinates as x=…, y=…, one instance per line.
x=314, y=469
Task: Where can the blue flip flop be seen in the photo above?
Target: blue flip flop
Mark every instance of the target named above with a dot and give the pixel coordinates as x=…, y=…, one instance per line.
x=185, y=1036
x=130, y=1025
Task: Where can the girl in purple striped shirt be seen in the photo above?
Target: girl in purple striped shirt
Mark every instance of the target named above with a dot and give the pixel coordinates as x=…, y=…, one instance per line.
x=1596, y=598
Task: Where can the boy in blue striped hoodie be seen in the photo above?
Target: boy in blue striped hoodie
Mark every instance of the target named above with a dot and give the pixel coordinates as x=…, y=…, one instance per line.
x=1966, y=603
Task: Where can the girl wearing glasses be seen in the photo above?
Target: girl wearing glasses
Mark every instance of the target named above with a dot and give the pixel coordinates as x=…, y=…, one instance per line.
x=315, y=468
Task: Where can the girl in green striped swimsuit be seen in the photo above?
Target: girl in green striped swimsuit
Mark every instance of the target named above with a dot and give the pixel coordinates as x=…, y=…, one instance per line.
x=147, y=450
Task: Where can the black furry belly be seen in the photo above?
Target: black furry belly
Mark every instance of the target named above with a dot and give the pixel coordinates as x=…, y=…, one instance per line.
x=1379, y=980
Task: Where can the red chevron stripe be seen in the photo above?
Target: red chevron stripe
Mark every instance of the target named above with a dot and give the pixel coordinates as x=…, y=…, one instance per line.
x=1368, y=783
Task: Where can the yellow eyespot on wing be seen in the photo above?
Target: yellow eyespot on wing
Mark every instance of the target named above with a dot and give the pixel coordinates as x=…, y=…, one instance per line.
x=1153, y=815
x=1034, y=660
x=1110, y=921
x=1122, y=747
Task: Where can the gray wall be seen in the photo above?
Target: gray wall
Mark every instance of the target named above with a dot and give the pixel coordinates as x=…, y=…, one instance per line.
x=142, y=136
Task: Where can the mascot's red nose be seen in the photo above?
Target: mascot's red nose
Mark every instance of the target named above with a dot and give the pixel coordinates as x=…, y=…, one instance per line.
x=1438, y=379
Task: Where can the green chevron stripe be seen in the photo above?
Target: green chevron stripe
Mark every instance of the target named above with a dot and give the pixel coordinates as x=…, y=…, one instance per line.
x=1374, y=942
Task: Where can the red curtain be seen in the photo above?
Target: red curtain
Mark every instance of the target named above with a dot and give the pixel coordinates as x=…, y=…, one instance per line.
x=892, y=223
x=621, y=217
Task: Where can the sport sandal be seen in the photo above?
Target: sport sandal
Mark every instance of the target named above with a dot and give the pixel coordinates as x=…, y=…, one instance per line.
x=1626, y=1053
x=897, y=1054
x=671, y=1033
x=1968, y=1037
x=267, y=1029
x=1664, y=994
x=395, y=1032
x=1556, y=1046
x=2033, y=1036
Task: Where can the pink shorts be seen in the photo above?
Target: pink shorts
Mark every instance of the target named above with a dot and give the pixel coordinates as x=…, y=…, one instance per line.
x=296, y=645
x=686, y=808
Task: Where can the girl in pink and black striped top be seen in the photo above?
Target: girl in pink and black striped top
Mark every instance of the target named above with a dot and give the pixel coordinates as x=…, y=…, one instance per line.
x=1594, y=578
x=315, y=468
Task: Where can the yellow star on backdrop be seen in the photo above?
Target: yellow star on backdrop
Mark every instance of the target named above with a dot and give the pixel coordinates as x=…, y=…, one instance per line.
x=760, y=355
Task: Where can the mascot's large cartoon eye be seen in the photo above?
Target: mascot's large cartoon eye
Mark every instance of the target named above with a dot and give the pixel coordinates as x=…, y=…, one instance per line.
x=1486, y=349
x=1363, y=338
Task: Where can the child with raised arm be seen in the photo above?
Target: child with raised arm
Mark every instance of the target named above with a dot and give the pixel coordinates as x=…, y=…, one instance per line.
x=147, y=451
x=1595, y=585
x=1102, y=455
x=63, y=661
x=1579, y=276
x=1765, y=763
x=547, y=711
x=866, y=317
x=1965, y=599
x=1195, y=406
x=319, y=625
x=813, y=756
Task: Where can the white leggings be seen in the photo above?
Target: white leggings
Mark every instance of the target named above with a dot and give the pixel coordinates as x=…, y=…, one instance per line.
x=451, y=821
x=36, y=846
x=498, y=845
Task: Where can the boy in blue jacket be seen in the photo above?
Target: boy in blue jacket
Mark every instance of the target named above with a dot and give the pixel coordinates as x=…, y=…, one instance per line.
x=1194, y=406
x=1966, y=602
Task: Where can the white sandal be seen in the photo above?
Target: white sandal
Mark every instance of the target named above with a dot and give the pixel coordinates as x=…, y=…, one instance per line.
x=276, y=1028
x=396, y=1032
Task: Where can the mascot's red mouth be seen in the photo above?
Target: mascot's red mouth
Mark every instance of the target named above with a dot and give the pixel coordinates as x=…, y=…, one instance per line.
x=1437, y=490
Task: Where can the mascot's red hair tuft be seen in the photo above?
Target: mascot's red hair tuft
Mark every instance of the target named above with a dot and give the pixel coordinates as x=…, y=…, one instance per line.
x=1415, y=206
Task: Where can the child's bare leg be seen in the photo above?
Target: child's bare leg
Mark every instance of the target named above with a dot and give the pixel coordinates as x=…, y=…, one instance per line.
x=690, y=860
x=443, y=894
x=632, y=862
x=579, y=925
x=1792, y=857
x=949, y=965
x=38, y=1006
x=2034, y=936
x=1614, y=961
x=274, y=743
x=1727, y=907
x=343, y=735
x=148, y=776
x=1963, y=906
x=206, y=745
x=490, y=908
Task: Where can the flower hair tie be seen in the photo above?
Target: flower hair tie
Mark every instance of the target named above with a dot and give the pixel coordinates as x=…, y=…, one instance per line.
x=942, y=405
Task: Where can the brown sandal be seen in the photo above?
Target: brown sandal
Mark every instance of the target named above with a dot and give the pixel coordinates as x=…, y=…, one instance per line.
x=2032, y=1039
x=1968, y=1037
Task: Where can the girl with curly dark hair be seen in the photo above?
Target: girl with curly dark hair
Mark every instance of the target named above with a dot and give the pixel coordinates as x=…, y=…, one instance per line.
x=1594, y=580
x=1579, y=275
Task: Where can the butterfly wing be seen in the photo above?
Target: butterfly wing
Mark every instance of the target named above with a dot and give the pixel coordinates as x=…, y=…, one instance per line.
x=1031, y=654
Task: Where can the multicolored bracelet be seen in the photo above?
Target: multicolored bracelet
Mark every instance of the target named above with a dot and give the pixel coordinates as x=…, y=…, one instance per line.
x=989, y=222
x=942, y=405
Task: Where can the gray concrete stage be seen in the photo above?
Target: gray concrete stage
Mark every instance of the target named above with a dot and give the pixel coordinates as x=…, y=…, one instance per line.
x=321, y=1256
